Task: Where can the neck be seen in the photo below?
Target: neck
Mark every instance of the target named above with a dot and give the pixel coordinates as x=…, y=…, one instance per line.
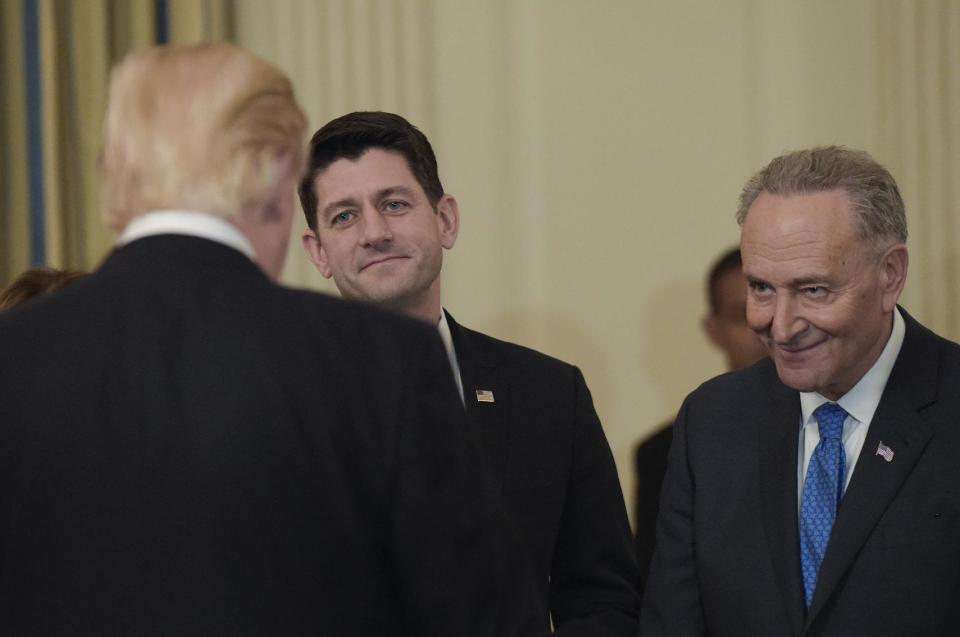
x=423, y=307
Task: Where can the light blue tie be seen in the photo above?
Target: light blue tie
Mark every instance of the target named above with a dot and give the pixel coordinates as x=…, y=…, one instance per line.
x=822, y=491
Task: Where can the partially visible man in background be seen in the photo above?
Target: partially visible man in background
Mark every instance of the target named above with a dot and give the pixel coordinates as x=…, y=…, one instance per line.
x=187, y=448
x=379, y=221
x=725, y=326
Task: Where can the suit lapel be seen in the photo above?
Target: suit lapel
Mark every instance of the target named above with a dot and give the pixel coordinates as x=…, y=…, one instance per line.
x=875, y=482
x=778, y=439
x=486, y=396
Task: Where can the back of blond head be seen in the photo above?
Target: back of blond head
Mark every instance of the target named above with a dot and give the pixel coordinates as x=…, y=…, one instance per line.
x=207, y=128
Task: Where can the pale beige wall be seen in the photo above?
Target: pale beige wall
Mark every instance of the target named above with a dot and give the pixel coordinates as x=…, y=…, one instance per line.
x=597, y=150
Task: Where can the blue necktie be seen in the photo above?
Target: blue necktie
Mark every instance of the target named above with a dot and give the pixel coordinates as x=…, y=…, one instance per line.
x=822, y=491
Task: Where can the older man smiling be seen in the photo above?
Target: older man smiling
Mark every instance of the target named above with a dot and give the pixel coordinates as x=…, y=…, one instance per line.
x=815, y=493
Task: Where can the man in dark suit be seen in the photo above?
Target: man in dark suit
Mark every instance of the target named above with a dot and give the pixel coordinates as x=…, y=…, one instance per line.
x=815, y=493
x=379, y=221
x=187, y=448
x=725, y=326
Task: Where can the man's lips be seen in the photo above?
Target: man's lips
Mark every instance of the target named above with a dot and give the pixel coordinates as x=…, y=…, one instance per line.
x=381, y=260
x=791, y=353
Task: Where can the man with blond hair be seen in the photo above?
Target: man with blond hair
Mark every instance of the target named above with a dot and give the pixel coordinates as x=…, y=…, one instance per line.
x=815, y=493
x=187, y=448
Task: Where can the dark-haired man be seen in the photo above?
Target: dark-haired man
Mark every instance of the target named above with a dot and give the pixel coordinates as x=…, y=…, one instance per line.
x=379, y=221
x=815, y=493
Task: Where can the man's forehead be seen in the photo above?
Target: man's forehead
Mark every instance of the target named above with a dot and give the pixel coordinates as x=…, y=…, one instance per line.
x=804, y=210
x=375, y=170
x=807, y=221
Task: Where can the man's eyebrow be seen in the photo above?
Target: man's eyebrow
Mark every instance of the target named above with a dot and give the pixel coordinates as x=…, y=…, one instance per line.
x=395, y=190
x=807, y=280
x=346, y=202
x=798, y=282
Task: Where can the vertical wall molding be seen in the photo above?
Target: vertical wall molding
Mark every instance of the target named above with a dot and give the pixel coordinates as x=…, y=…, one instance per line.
x=919, y=101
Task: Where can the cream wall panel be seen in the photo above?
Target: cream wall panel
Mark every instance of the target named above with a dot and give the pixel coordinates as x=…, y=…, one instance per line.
x=920, y=136
x=597, y=150
x=485, y=154
x=643, y=154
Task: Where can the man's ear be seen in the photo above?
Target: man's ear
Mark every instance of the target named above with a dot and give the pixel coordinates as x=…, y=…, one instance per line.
x=448, y=220
x=893, y=274
x=711, y=329
x=314, y=250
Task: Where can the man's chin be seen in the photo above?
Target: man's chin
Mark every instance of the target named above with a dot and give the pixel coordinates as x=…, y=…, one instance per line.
x=393, y=298
x=800, y=380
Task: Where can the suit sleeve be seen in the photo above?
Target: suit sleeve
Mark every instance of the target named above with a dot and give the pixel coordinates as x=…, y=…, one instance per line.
x=458, y=563
x=594, y=583
x=672, y=603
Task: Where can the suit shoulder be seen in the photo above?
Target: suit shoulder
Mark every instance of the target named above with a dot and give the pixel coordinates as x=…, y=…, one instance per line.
x=951, y=352
x=340, y=314
x=517, y=356
x=742, y=385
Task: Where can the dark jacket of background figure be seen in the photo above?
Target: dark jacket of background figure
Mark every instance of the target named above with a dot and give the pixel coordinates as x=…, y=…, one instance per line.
x=649, y=467
x=549, y=458
x=187, y=448
x=727, y=559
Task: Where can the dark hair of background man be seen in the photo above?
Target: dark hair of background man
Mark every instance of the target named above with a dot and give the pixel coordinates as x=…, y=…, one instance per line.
x=729, y=260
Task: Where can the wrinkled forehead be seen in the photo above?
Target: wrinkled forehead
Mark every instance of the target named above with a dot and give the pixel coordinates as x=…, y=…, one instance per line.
x=799, y=220
x=806, y=236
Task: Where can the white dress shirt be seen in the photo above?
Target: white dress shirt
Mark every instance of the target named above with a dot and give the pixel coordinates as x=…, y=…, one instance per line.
x=860, y=403
x=189, y=222
x=444, y=328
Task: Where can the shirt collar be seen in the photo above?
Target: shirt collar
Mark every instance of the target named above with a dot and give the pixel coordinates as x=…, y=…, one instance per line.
x=188, y=222
x=444, y=328
x=861, y=401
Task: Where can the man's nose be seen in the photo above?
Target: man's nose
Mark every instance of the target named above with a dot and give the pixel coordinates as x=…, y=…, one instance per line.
x=785, y=322
x=376, y=229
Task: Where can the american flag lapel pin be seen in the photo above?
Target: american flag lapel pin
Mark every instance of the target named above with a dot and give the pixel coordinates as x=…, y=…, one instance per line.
x=885, y=452
x=485, y=396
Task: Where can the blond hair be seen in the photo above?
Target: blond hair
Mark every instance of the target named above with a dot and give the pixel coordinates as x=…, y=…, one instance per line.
x=207, y=127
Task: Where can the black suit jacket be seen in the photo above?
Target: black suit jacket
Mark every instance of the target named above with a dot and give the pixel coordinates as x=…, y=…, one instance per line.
x=548, y=456
x=727, y=559
x=188, y=449
x=649, y=467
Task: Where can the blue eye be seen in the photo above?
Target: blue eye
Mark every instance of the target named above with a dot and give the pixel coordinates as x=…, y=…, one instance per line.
x=394, y=206
x=341, y=218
